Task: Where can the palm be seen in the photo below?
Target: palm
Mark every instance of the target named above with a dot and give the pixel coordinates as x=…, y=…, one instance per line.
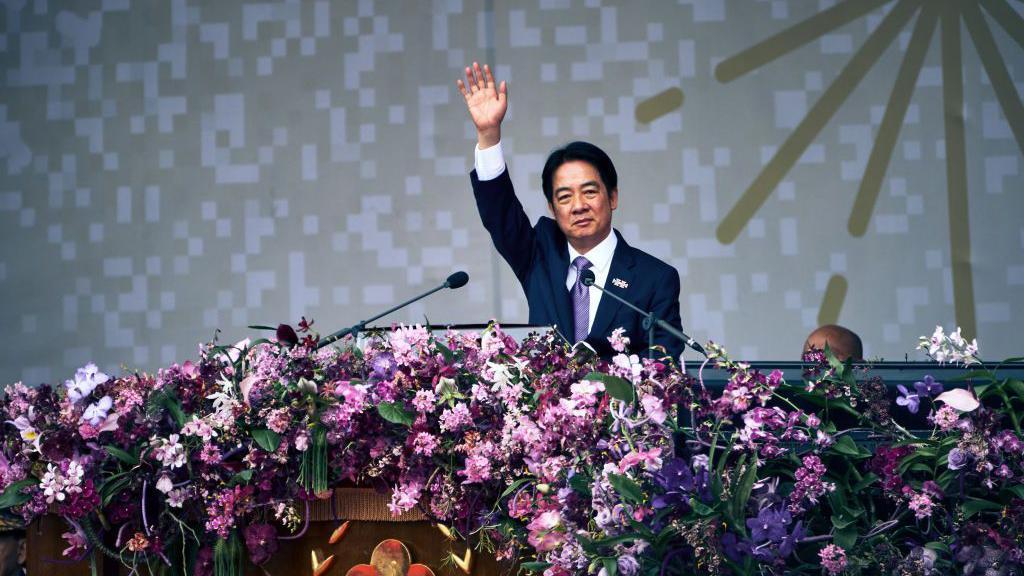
x=486, y=102
x=486, y=109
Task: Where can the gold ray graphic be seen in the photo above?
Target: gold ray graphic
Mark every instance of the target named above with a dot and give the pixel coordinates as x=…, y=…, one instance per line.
x=792, y=38
x=996, y=70
x=1007, y=18
x=794, y=146
x=892, y=121
x=956, y=170
x=832, y=302
x=944, y=15
x=656, y=106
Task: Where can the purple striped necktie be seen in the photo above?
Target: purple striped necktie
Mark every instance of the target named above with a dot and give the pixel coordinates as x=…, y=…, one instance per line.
x=580, y=300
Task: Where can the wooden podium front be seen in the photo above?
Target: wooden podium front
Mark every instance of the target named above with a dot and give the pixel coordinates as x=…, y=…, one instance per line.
x=366, y=510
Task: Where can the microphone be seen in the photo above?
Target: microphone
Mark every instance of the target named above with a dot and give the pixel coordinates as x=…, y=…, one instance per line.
x=455, y=280
x=650, y=320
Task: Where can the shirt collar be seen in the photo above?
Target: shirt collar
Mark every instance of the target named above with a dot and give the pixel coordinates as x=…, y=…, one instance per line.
x=601, y=255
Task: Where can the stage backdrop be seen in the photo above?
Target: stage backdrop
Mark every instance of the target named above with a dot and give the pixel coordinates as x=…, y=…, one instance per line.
x=172, y=168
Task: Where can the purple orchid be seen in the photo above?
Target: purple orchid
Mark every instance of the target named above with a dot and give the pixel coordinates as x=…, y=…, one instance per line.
x=911, y=400
x=928, y=387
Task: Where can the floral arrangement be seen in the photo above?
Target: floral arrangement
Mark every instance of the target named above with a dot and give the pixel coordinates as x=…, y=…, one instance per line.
x=548, y=457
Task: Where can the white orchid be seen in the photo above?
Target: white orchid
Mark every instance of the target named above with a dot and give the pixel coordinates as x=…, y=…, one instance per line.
x=952, y=347
x=97, y=411
x=87, y=378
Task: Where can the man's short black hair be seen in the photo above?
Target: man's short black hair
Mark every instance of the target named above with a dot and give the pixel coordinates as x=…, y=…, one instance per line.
x=585, y=152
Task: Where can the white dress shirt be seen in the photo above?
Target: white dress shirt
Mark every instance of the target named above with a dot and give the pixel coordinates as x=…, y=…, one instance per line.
x=489, y=164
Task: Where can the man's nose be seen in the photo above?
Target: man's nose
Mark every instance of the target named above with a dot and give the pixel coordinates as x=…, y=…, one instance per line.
x=579, y=205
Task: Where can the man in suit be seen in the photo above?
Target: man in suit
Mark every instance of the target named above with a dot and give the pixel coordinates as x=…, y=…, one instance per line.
x=549, y=258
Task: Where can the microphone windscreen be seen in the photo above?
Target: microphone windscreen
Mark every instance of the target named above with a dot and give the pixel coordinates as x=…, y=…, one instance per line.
x=457, y=280
x=588, y=277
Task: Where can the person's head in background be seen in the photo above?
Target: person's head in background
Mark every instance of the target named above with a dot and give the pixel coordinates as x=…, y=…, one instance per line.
x=843, y=342
x=13, y=553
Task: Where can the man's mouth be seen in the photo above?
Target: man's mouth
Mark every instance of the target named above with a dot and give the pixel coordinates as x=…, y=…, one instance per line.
x=583, y=222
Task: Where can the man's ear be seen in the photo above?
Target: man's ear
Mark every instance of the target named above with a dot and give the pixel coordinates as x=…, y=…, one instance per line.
x=22, y=551
x=613, y=198
x=551, y=209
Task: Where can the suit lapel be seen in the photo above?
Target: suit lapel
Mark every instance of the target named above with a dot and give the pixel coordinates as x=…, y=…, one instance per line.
x=621, y=269
x=558, y=269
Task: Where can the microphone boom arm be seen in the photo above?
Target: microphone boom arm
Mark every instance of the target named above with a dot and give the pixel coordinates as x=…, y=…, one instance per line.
x=650, y=319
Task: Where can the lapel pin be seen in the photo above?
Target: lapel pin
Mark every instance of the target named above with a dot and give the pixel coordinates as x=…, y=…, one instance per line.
x=620, y=283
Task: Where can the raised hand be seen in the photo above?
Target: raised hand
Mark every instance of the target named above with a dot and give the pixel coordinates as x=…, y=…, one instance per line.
x=486, y=105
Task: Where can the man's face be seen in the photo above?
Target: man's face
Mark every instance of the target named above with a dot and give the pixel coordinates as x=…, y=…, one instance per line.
x=581, y=205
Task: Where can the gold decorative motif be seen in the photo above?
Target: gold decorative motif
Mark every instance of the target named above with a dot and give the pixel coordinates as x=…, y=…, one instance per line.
x=945, y=16
x=466, y=562
x=390, y=558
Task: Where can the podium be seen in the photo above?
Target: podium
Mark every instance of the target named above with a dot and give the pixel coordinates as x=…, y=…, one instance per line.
x=371, y=523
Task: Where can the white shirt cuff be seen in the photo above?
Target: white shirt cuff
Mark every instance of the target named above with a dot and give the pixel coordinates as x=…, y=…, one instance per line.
x=490, y=162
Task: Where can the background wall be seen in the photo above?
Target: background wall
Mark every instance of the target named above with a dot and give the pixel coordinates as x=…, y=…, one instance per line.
x=172, y=168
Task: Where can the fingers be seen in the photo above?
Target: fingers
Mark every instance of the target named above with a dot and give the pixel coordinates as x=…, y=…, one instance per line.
x=479, y=76
x=488, y=77
x=462, y=88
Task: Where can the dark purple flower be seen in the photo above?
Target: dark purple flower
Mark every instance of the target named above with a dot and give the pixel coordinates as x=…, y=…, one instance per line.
x=958, y=458
x=261, y=540
x=928, y=387
x=792, y=539
x=383, y=366
x=931, y=488
x=769, y=525
x=734, y=548
x=909, y=399
x=676, y=481
x=286, y=335
x=204, y=562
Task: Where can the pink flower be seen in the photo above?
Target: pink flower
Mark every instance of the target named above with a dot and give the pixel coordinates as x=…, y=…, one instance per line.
x=946, y=418
x=651, y=459
x=404, y=497
x=546, y=532
x=424, y=401
x=618, y=340
x=922, y=505
x=425, y=443
x=833, y=559
x=654, y=408
x=279, y=420
x=455, y=418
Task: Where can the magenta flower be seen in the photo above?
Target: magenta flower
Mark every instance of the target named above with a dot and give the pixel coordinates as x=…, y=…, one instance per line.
x=261, y=541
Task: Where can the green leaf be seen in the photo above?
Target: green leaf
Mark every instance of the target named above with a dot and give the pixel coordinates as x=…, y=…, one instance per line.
x=513, y=487
x=744, y=488
x=846, y=518
x=113, y=486
x=581, y=484
x=1017, y=490
x=174, y=407
x=627, y=488
x=243, y=477
x=847, y=447
x=846, y=537
x=535, y=566
x=936, y=545
x=611, y=566
x=267, y=439
x=868, y=479
x=1016, y=385
x=126, y=457
x=13, y=496
x=395, y=413
x=701, y=508
x=614, y=386
x=972, y=506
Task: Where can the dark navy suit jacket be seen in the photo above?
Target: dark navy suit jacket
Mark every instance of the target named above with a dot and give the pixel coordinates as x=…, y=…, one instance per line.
x=539, y=256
